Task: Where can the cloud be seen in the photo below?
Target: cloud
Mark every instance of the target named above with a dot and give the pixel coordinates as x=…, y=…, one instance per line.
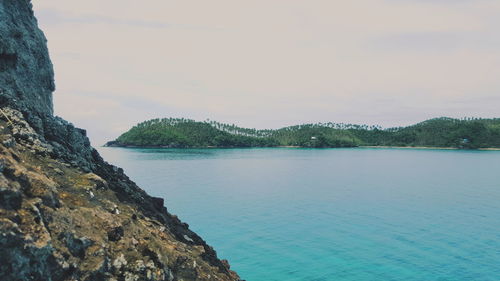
x=54, y=17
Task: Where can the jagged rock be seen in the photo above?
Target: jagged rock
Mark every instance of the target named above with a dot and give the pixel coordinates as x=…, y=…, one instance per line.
x=115, y=234
x=65, y=213
x=76, y=246
x=27, y=78
x=10, y=198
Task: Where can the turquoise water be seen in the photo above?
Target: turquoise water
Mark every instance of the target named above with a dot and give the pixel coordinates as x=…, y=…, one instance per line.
x=334, y=214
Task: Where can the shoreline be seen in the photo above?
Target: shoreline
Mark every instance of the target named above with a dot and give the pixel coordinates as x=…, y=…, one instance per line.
x=293, y=146
x=431, y=147
x=413, y=147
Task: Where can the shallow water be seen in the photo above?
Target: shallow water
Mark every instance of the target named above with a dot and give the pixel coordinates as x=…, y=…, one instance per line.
x=333, y=214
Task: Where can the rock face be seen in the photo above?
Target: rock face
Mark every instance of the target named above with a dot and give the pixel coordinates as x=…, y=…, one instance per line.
x=27, y=78
x=65, y=213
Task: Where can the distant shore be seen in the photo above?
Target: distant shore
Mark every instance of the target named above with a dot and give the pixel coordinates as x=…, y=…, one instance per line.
x=430, y=147
x=294, y=146
x=410, y=147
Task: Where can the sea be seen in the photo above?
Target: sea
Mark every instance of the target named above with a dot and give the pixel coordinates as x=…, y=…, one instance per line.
x=363, y=214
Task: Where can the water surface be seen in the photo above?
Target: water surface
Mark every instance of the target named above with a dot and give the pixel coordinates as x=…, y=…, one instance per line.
x=333, y=214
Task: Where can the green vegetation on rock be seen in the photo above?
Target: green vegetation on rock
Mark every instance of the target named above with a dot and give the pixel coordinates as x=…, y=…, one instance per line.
x=467, y=133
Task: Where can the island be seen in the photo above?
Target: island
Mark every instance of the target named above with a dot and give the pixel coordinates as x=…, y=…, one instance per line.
x=444, y=132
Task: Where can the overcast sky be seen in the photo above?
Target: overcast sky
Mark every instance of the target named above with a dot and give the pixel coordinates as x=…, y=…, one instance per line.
x=271, y=63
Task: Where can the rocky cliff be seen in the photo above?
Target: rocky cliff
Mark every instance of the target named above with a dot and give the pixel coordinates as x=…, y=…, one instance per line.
x=65, y=213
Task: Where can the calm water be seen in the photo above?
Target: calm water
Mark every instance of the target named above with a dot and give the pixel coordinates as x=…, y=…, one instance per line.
x=334, y=214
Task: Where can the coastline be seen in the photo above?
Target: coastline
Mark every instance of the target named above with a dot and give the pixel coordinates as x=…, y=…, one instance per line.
x=412, y=147
x=294, y=146
x=430, y=147
x=490, y=149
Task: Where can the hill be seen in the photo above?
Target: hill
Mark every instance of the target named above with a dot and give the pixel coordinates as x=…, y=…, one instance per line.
x=467, y=133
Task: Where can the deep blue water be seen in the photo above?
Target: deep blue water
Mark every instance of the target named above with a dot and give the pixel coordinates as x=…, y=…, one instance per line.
x=334, y=214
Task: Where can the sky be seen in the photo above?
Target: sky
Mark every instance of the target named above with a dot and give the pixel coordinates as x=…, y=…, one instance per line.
x=271, y=63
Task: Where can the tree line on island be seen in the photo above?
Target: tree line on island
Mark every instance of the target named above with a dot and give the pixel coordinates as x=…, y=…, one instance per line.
x=466, y=133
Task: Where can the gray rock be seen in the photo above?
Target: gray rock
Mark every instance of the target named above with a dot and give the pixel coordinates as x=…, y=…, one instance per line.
x=26, y=73
x=115, y=234
x=30, y=262
x=10, y=198
x=77, y=245
x=10, y=142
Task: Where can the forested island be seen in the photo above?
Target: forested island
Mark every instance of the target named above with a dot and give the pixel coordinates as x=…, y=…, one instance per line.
x=466, y=133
